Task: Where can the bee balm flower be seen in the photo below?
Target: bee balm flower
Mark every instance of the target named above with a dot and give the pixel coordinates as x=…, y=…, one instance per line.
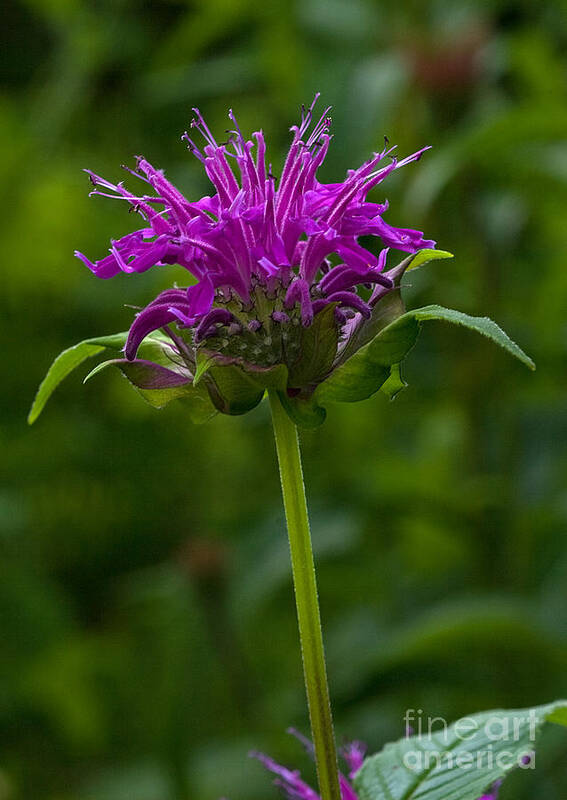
x=269, y=256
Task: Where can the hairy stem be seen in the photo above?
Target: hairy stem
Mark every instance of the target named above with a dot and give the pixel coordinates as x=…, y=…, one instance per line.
x=308, y=615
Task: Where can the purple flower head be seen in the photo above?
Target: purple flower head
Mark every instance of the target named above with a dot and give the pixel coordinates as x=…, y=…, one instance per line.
x=294, y=788
x=269, y=256
x=291, y=783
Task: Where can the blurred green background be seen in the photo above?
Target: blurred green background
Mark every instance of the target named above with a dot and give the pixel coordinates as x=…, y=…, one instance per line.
x=148, y=630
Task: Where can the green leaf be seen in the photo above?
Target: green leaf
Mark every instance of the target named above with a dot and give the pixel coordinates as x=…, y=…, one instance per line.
x=154, y=348
x=367, y=370
x=146, y=379
x=67, y=361
x=356, y=380
x=458, y=762
x=483, y=325
x=425, y=256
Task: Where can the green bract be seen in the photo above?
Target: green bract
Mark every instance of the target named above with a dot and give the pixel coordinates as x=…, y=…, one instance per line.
x=321, y=373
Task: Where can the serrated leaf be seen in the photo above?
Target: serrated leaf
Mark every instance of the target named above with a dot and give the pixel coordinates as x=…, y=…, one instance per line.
x=367, y=370
x=67, y=361
x=461, y=762
x=482, y=325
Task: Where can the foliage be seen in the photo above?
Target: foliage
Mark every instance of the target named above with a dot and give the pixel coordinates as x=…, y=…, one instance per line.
x=464, y=760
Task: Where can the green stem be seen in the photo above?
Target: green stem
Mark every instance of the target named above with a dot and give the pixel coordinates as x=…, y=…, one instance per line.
x=308, y=615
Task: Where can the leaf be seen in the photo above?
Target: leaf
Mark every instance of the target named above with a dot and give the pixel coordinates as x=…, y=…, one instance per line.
x=367, y=370
x=459, y=762
x=356, y=380
x=145, y=374
x=425, y=256
x=483, y=325
x=66, y=362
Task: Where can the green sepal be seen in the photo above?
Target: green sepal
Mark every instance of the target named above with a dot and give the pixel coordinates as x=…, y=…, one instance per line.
x=407, y=768
x=269, y=377
x=304, y=411
x=391, y=306
x=318, y=348
x=203, y=361
x=236, y=388
x=232, y=390
x=395, y=382
x=369, y=368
